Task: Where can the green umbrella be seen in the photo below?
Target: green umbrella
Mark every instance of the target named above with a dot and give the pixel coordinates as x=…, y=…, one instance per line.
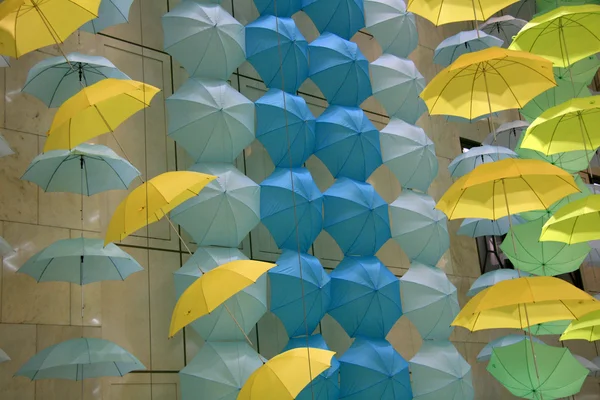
x=560, y=374
x=549, y=328
x=570, y=161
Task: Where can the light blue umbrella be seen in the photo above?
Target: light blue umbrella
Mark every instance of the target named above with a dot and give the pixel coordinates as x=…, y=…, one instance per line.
x=476, y=227
x=292, y=229
x=204, y=39
x=53, y=80
x=356, y=217
x=80, y=261
x=279, y=120
x=247, y=306
x=504, y=27
x=365, y=297
x=79, y=359
x=394, y=28
x=86, y=169
x=429, y=301
x=300, y=292
x=275, y=47
x=4, y=357
x=340, y=17
x=219, y=371
x=462, y=43
x=281, y=8
x=409, y=154
x=5, y=149
x=419, y=228
x=340, y=70
x=372, y=369
x=347, y=143
x=397, y=84
x=469, y=160
x=438, y=371
x=111, y=12
x=491, y=278
x=486, y=353
x=5, y=248
x=212, y=121
x=224, y=211
x=507, y=135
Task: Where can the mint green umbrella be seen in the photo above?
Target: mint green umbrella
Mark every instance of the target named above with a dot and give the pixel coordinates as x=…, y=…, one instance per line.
x=545, y=214
x=549, y=328
x=570, y=161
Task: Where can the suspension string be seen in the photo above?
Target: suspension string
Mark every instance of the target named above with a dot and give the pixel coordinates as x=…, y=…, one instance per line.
x=81, y=260
x=475, y=17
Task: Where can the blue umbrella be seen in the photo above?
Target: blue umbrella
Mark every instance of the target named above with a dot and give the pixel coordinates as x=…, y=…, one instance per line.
x=491, y=278
x=4, y=357
x=462, y=43
x=275, y=47
x=284, y=126
x=281, y=8
x=340, y=70
x=111, y=12
x=394, y=28
x=365, y=297
x=347, y=143
x=372, y=369
x=5, y=149
x=280, y=193
x=300, y=292
x=340, y=17
x=486, y=353
x=471, y=159
x=356, y=217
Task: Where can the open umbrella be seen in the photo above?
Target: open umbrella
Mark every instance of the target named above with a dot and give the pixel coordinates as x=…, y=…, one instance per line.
x=570, y=161
x=340, y=17
x=576, y=222
x=548, y=328
x=592, y=259
x=394, y=28
x=3, y=356
x=476, y=227
x=504, y=27
x=5, y=149
x=462, y=43
x=5, y=248
x=584, y=328
x=507, y=134
x=279, y=8
x=469, y=160
x=589, y=365
x=491, y=278
x=486, y=353
x=111, y=12
x=446, y=11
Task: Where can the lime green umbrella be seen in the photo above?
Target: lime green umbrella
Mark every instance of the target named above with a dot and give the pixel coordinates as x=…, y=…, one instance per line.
x=570, y=161
x=549, y=328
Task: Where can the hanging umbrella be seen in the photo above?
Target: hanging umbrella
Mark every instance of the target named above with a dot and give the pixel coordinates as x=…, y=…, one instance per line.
x=280, y=117
x=217, y=39
x=576, y=222
x=446, y=11
x=339, y=69
x=56, y=79
x=462, y=43
x=225, y=211
x=394, y=28
x=439, y=372
x=5, y=149
x=409, y=154
x=372, y=369
x=291, y=208
x=87, y=169
x=593, y=369
x=491, y=278
x=477, y=227
x=5, y=248
x=507, y=135
x=80, y=261
x=592, y=259
x=469, y=160
x=79, y=359
x=365, y=297
x=341, y=17
x=3, y=356
x=486, y=353
x=524, y=9
x=547, y=5
x=581, y=73
x=111, y=12
x=300, y=292
x=420, y=229
x=280, y=8
x=397, y=84
x=548, y=328
x=356, y=217
x=429, y=301
x=504, y=27
x=247, y=307
x=275, y=47
x=4, y=61
x=347, y=143
x=219, y=370
x=585, y=328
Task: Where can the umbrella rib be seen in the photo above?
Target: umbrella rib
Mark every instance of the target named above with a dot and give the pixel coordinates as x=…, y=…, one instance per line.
x=553, y=130
x=44, y=270
x=57, y=86
x=56, y=170
x=116, y=173
x=445, y=87
x=473, y=91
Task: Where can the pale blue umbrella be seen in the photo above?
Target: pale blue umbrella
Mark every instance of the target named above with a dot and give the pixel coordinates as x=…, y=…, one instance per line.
x=491, y=278
x=224, y=211
x=53, y=80
x=281, y=8
x=278, y=52
x=80, y=261
x=3, y=356
x=429, y=301
x=593, y=258
x=111, y=12
x=394, y=28
x=339, y=69
x=462, y=43
x=476, y=227
x=397, y=84
x=204, y=39
x=280, y=117
x=340, y=17
x=454, y=118
x=507, y=135
x=86, y=169
x=5, y=149
x=212, y=121
x=504, y=27
x=409, y=154
x=419, y=228
x=592, y=367
x=5, y=248
x=486, y=353
x=471, y=159
x=356, y=217
x=79, y=359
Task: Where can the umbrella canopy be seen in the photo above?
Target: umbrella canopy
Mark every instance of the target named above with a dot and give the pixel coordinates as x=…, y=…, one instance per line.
x=219, y=370
x=581, y=73
x=469, y=160
x=5, y=149
x=462, y=43
x=3, y=356
x=356, y=217
x=429, y=301
x=53, y=80
x=347, y=143
x=491, y=278
x=291, y=208
x=280, y=117
x=111, y=12
x=225, y=211
x=476, y=227
x=372, y=369
x=278, y=51
x=339, y=69
x=397, y=84
x=589, y=365
x=585, y=328
x=300, y=292
x=486, y=353
x=409, y=154
x=365, y=297
x=217, y=38
x=570, y=161
x=394, y=28
x=280, y=8
x=79, y=359
x=548, y=328
x=504, y=28
x=340, y=17
x=446, y=11
x=507, y=135
x=5, y=248
x=419, y=228
x=87, y=169
x=80, y=261
x=576, y=222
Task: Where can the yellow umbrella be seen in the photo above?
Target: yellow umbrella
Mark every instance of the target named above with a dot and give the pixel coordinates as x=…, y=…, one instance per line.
x=585, y=328
x=575, y=222
x=488, y=81
x=445, y=11
x=95, y=110
x=523, y=302
x=152, y=200
x=27, y=25
x=284, y=376
x=510, y=186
